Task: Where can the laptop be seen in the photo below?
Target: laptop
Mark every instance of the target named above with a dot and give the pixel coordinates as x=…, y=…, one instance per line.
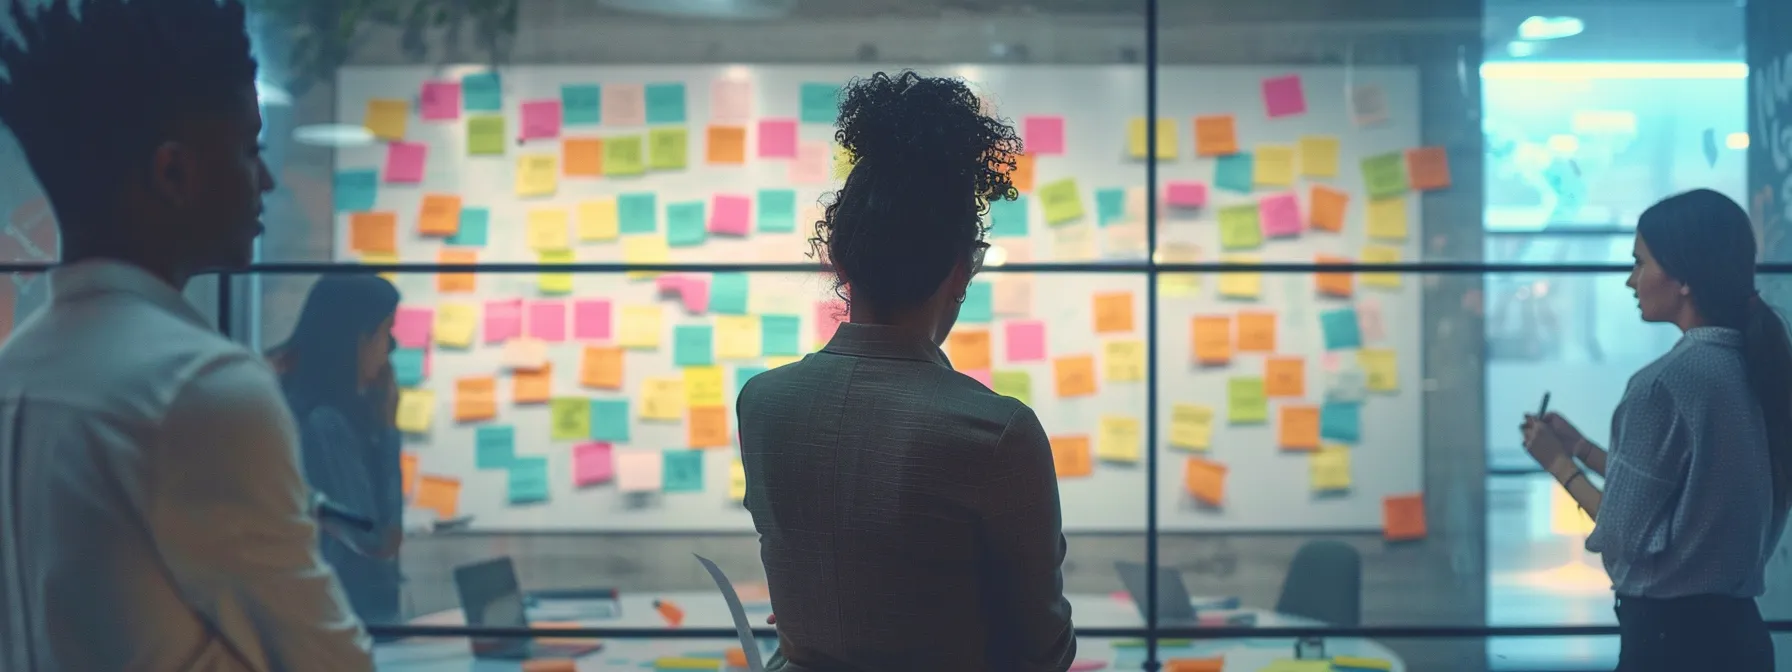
x=490, y=596
x=1174, y=606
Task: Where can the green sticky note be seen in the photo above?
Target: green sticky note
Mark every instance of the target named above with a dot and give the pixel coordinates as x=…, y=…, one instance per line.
x=979, y=304
x=622, y=156
x=1246, y=402
x=1110, y=206
x=1384, y=175
x=683, y=471
x=407, y=366
x=569, y=418
x=485, y=135
x=1008, y=219
x=820, y=103
x=665, y=103
x=778, y=335
x=777, y=210
x=667, y=148
x=482, y=92
x=494, y=447
x=1017, y=384
x=609, y=420
x=684, y=224
x=1061, y=201
x=693, y=345
x=529, y=480
x=581, y=104
x=728, y=294
x=1239, y=228
x=742, y=374
x=1292, y=665
x=473, y=225
x=637, y=213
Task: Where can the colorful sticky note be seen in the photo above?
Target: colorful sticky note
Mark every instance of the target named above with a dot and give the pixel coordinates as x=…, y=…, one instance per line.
x=531, y=386
x=1240, y=227
x=1070, y=456
x=684, y=471
x=665, y=103
x=1341, y=329
x=728, y=293
x=599, y=220
x=609, y=419
x=623, y=156
x=1043, y=136
x=554, y=282
x=1025, y=340
x=601, y=367
x=777, y=210
x=1191, y=426
x=1120, y=439
x=537, y=175
x=1074, y=375
x=1368, y=104
x=1205, y=481
x=730, y=215
x=404, y=162
x=1110, y=205
x=1234, y=172
x=439, y=494
x=1241, y=285
x=1284, y=96
x=456, y=283
x=1185, y=194
x=416, y=410
x=725, y=145
x=503, y=320
x=1022, y=175
x=731, y=100
x=777, y=138
x=494, y=446
x=707, y=427
x=978, y=304
x=482, y=92
x=439, y=215
x=1341, y=421
x=1329, y=469
x=684, y=224
x=843, y=161
x=1166, y=138
x=541, y=119
x=386, y=118
x=548, y=229
x=581, y=104
x=1344, y=384
x=1246, y=402
x=810, y=165
x=1210, y=339
x=1319, y=155
x=737, y=491
x=1280, y=215
x=702, y=386
x=408, y=464
x=528, y=480
x=637, y=213
x=693, y=345
x=547, y=321
x=373, y=232
x=356, y=190
x=1403, y=517
x=1326, y=208
x=455, y=324
x=1273, y=166
x=1216, y=135
x=1017, y=384
x=1061, y=201
x=1113, y=312
x=485, y=135
x=569, y=418
x=439, y=101
x=639, y=470
x=1299, y=428
x=408, y=366
x=1380, y=369
x=593, y=464
x=1013, y=295
x=1124, y=361
x=968, y=349
x=1285, y=376
x=524, y=354
x=1428, y=168
x=1384, y=175
x=819, y=103
x=1256, y=331
x=668, y=148
x=624, y=105
x=1008, y=219
x=828, y=316
x=582, y=157
x=779, y=334
x=1381, y=254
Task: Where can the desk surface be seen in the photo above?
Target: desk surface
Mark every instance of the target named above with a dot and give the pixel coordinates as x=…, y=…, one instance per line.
x=707, y=610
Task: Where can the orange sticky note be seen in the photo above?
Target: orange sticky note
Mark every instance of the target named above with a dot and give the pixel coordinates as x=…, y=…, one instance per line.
x=439, y=215
x=1195, y=664
x=1212, y=339
x=583, y=157
x=1428, y=168
x=1325, y=208
x=532, y=387
x=552, y=664
x=407, y=473
x=1075, y=375
x=373, y=232
x=1205, y=481
x=735, y=657
x=1333, y=284
x=1284, y=377
x=455, y=283
x=707, y=427
x=1300, y=427
x=1256, y=331
x=1113, y=312
x=674, y=616
x=1070, y=454
x=968, y=349
x=475, y=399
x=1216, y=135
x=727, y=144
x=601, y=367
x=440, y=494
x=1403, y=517
x=1023, y=173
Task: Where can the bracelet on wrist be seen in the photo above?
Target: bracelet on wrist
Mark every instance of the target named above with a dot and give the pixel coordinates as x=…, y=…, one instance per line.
x=1570, y=479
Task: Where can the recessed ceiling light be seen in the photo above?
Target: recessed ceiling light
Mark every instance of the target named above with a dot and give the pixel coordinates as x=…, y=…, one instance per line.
x=1736, y=140
x=271, y=95
x=708, y=9
x=333, y=135
x=1550, y=27
x=1521, y=48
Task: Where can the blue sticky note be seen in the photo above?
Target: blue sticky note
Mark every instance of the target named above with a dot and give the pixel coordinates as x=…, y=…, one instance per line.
x=684, y=224
x=693, y=345
x=407, y=366
x=609, y=420
x=742, y=374
x=1233, y=172
x=728, y=294
x=979, y=304
x=528, y=480
x=1110, y=205
x=1341, y=330
x=1008, y=219
x=665, y=103
x=778, y=335
x=777, y=210
x=683, y=471
x=581, y=104
x=357, y=190
x=1341, y=422
x=637, y=213
x=820, y=103
x=473, y=225
x=494, y=446
x=482, y=92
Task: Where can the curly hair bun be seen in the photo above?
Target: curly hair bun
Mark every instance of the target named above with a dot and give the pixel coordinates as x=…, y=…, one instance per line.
x=926, y=123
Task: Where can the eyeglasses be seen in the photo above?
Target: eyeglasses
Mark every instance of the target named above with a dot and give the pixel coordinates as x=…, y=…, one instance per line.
x=391, y=344
x=977, y=253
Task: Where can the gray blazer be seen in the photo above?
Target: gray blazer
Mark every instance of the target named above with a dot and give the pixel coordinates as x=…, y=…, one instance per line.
x=908, y=516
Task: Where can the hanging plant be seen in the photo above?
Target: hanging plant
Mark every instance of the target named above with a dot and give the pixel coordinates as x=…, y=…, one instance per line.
x=321, y=36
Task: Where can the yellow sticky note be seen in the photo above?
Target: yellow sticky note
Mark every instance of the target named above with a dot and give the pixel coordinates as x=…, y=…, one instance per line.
x=548, y=229
x=554, y=283
x=775, y=362
x=737, y=480
x=1380, y=254
x=1241, y=285
x=623, y=156
x=1166, y=138
x=537, y=174
x=598, y=221
x=380, y=259
x=703, y=386
x=1273, y=166
x=1360, y=663
x=1380, y=369
x=1330, y=468
x=1061, y=201
x=1387, y=218
x=1178, y=284
x=639, y=327
x=645, y=249
x=1246, y=402
x=1120, y=439
x=455, y=324
x=416, y=410
x=1319, y=155
x=668, y=148
x=387, y=117
x=737, y=336
x=1124, y=361
x=1191, y=426
x=843, y=161
x=662, y=399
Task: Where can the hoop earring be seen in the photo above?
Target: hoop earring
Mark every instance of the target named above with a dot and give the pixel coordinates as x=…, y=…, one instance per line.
x=960, y=299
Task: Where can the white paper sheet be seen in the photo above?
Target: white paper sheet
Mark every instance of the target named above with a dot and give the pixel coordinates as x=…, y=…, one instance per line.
x=747, y=643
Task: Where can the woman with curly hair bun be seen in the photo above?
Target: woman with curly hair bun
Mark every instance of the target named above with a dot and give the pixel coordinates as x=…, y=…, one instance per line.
x=908, y=516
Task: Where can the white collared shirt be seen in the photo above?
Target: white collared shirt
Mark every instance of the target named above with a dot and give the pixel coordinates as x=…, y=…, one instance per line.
x=152, y=512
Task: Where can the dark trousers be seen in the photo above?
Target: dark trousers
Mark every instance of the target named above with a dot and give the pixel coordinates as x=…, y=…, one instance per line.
x=1701, y=632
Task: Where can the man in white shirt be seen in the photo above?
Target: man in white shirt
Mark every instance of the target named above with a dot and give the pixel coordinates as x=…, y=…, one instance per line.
x=152, y=512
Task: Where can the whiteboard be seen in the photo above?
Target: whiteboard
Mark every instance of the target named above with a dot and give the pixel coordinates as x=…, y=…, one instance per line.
x=1265, y=487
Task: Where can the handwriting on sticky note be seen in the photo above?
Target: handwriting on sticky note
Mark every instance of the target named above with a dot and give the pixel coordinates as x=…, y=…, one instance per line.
x=1246, y=285
x=1299, y=428
x=1403, y=517
x=1113, y=312
x=662, y=399
x=968, y=349
x=455, y=324
x=416, y=411
x=624, y=156
x=541, y=119
x=1124, y=361
x=1380, y=369
x=1205, y=481
x=537, y=175
x=532, y=386
x=1273, y=166
x=1387, y=218
x=475, y=399
x=439, y=215
x=1216, y=135
x=485, y=135
x=1246, y=401
x=1191, y=426
x=1071, y=457
x=1285, y=376
x=569, y=418
x=373, y=232
x=1120, y=439
x=593, y=464
x=1061, y=201
x=1280, y=215
x=703, y=386
x=1256, y=331
x=1240, y=228
x=725, y=145
x=1384, y=175
x=1210, y=339
x=668, y=148
x=707, y=427
x=1319, y=155
x=683, y=471
x=737, y=337
x=1074, y=375
x=582, y=157
x=1329, y=469
x=548, y=229
x=1381, y=254
x=601, y=367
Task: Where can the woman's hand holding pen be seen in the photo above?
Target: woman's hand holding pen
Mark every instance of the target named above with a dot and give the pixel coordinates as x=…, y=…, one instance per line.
x=1549, y=445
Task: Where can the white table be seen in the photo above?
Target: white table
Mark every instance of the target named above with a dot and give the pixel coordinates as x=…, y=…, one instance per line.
x=705, y=609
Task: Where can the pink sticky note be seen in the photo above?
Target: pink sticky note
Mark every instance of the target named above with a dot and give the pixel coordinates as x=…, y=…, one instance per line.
x=591, y=319
x=1280, y=215
x=1043, y=135
x=404, y=162
x=731, y=100
x=411, y=326
x=1284, y=96
x=728, y=215
x=547, y=321
x=440, y=101
x=1368, y=320
x=695, y=294
x=811, y=163
x=1185, y=194
x=593, y=463
x=669, y=284
x=541, y=119
x=624, y=105
x=981, y=376
x=503, y=320
x=1026, y=340
x=828, y=316
x=777, y=138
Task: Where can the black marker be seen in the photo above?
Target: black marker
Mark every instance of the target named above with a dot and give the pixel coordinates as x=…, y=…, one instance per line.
x=1543, y=409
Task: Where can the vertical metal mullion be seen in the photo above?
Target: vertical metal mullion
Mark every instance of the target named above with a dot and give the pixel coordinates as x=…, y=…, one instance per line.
x=1151, y=333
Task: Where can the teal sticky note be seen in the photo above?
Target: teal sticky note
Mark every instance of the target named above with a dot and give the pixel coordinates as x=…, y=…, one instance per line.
x=407, y=366
x=356, y=190
x=1008, y=219
x=742, y=374
x=1341, y=422
x=494, y=446
x=1234, y=172
x=665, y=103
x=1110, y=206
x=979, y=304
x=581, y=104
x=684, y=224
x=637, y=213
x=683, y=471
x=779, y=335
x=528, y=480
x=777, y=210
x=728, y=294
x=482, y=92
x=1342, y=331
x=693, y=345
x=474, y=223
x=609, y=420
x=820, y=103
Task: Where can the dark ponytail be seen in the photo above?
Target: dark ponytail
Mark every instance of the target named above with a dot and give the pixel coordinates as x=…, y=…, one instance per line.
x=1768, y=353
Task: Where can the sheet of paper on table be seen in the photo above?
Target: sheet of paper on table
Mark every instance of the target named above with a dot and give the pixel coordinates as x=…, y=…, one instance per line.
x=747, y=644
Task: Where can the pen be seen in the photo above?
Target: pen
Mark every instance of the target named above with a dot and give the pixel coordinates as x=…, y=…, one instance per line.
x=1543, y=409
